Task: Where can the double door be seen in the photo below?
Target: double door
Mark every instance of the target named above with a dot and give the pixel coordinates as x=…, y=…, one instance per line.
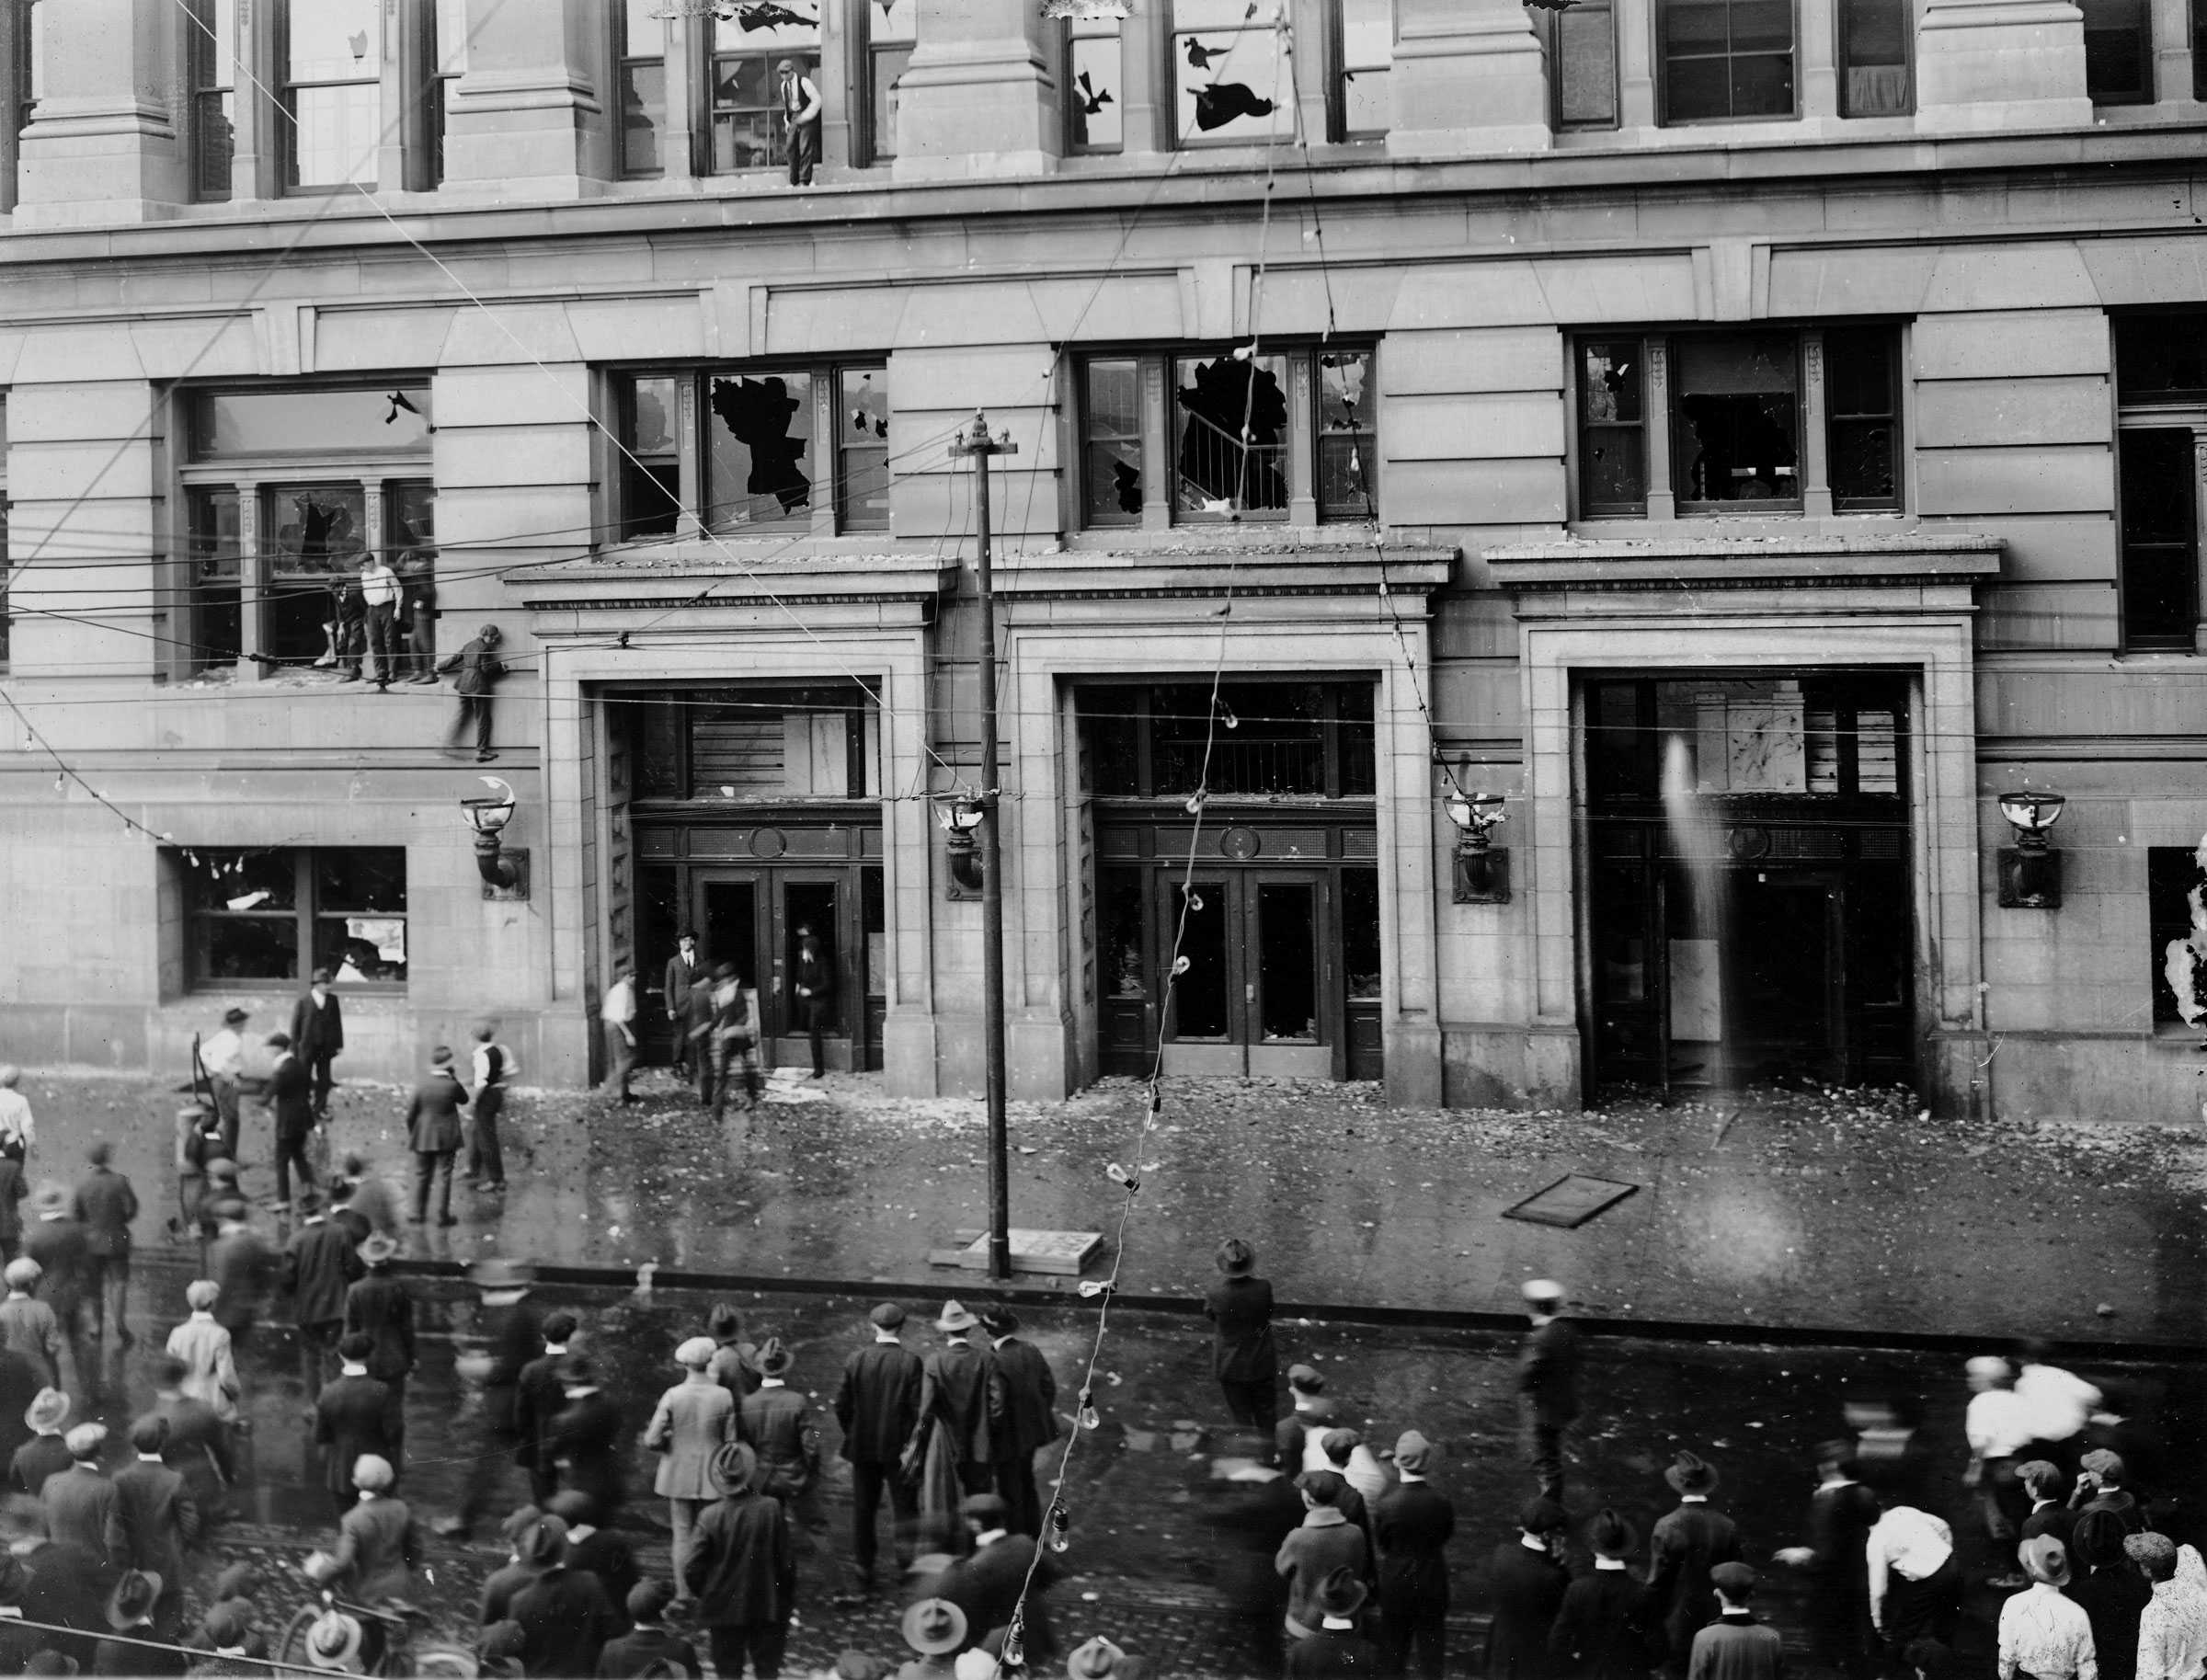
x=1259, y=991
x=754, y=919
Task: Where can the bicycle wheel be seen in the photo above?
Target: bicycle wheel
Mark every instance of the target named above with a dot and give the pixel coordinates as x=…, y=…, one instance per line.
x=446, y=1661
x=290, y=1646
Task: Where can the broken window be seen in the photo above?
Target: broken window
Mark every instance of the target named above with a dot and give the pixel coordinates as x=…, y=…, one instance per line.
x=332, y=60
x=1613, y=471
x=1738, y=412
x=1229, y=67
x=1367, y=55
x=1113, y=420
x=862, y=472
x=650, y=465
x=1095, y=85
x=1229, y=423
x=2176, y=890
x=760, y=467
x=893, y=31
x=641, y=76
x=750, y=128
x=261, y=917
x=1346, y=435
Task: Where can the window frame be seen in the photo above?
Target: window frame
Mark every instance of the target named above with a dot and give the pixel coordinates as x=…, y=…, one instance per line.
x=7, y=554
x=1106, y=29
x=2143, y=93
x=703, y=76
x=1555, y=23
x=1833, y=419
x=1341, y=73
x=287, y=107
x=1189, y=138
x=2176, y=407
x=202, y=57
x=621, y=15
x=2164, y=923
x=306, y=914
x=877, y=53
x=1667, y=117
x=1842, y=65
x=1156, y=382
x=1681, y=429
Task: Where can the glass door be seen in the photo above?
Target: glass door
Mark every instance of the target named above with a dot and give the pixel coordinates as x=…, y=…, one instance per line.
x=813, y=903
x=1258, y=990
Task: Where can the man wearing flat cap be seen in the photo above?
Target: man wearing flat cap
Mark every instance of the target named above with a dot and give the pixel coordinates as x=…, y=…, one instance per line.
x=1599, y=1631
x=2101, y=1475
x=1413, y=1522
x=988, y=1585
x=878, y=1404
x=1736, y=1647
x=2044, y=1634
x=1525, y=1581
x=1022, y=1415
x=650, y=1647
x=1548, y=1383
x=2172, y=1627
x=1688, y=1544
x=741, y=1569
x=565, y=1613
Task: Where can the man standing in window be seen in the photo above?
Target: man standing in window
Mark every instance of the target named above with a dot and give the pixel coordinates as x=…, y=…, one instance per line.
x=317, y=1035
x=478, y=670
x=801, y=111
x=378, y=590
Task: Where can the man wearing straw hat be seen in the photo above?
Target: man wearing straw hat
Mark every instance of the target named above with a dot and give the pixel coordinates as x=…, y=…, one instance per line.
x=1548, y=1383
x=742, y=1570
x=935, y=1628
x=2045, y=1635
x=45, y=1454
x=950, y=1443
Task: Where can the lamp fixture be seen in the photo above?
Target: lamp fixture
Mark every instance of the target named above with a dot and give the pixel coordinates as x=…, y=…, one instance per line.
x=961, y=818
x=505, y=874
x=2031, y=870
x=1482, y=869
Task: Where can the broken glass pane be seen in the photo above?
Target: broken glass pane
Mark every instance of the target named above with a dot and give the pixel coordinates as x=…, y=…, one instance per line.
x=1098, y=72
x=1231, y=424
x=1231, y=72
x=760, y=467
x=1344, y=434
x=1739, y=407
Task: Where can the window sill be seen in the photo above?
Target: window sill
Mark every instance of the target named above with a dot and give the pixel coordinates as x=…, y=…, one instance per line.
x=1770, y=527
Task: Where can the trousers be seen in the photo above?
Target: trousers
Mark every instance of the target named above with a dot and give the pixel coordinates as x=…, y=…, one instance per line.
x=682, y=1516
x=485, y=1160
x=1256, y=1405
x=432, y=1166
x=383, y=641
x=290, y=1151
x=868, y=1484
x=1413, y=1620
x=107, y=1294
x=474, y=708
x=225, y=1108
x=1015, y=1486
x=620, y=1061
x=763, y=1642
x=317, y=1069
x=1544, y=1449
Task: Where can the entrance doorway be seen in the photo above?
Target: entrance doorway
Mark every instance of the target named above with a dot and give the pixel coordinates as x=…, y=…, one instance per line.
x=1254, y=993
x=1748, y=893
x=754, y=917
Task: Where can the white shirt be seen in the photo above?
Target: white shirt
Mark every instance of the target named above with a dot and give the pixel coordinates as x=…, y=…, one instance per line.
x=1997, y=1424
x=223, y=1053
x=2172, y=1629
x=1913, y=1543
x=482, y=1062
x=14, y=1118
x=620, y=1006
x=2056, y=1404
x=2046, y=1635
x=379, y=584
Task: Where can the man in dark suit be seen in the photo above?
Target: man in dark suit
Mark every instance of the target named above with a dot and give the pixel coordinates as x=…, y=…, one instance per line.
x=1598, y=1633
x=1842, y=1512
x=878, y=1407
x=1256, y=1509
x=509, y=1330
x=538, y=1399
x=318, y=1036
x=1527, y=1580
x=2048, y=1490
x=1548, y=1383
x=45, y=1454
x=741, y=1568
x=376, y=1550
x=156, y=1519
x=379, y=1308
x=435, y=1134
x=356, y=1414
x=1242, y=1357
x=1412, y=1523
x=1737, y=1647
x=650, y=1647
x=684, y=971
x=197, y=1444
x=776, y=1422
x=954, y=1394
x=1688, y=1544
x=80, y=1503
x=603, y=1552
x=587, y=1438
x=320, y=1264
x=812, y=979
x=106, y=1204
x=1023, y=1416
x=290, y=1100
x=988, y=1582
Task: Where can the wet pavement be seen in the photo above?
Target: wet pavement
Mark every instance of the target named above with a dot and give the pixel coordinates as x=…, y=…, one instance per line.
x=1841, y=1211
x=1143, y=1560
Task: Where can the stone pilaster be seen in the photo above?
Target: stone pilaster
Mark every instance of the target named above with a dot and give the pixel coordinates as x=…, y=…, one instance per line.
x=529, y=118
x=2000, y=64
x=103, y=145
x=980, y=98
x=1469, y=77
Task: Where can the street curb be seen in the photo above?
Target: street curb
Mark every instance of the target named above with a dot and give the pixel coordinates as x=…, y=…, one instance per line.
x=1337, y=1312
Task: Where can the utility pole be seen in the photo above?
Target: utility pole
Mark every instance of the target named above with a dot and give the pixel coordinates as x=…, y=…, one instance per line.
x=978, y=444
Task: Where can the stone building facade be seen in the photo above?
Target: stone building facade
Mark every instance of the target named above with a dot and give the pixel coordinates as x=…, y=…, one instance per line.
x=1747, y=436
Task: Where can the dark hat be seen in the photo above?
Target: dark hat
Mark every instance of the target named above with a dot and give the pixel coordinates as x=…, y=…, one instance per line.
x=310, y=1202
x=440, y=1055
x=733, y=1467
x=998, y=1321
x=2098, y=1537
x=1341, y=1593
x=989, y=1510
x=1305, y=1378
x=574, y=1507
x=322, y=974
x=224, y=1626
x=150, y=1433
x=1542, y=1517
x=2041, y=1473
x=1338, y=1444
x=648, y=1600
x=355, y=1345
x=544, y=1542
x=132, y=1599
x=1322, y=1486
x=1235, y=1258
x=887, y=1316
x=1734, y=1580
x=935, y=1625
x=99, y=1152
x=787, y=64
x=1689, y=1474
x=277, y=1041
x=2104, y=1464
x=1610, y=1535
x=231, y=1017
x=2044, y=1558
x=774, y=1359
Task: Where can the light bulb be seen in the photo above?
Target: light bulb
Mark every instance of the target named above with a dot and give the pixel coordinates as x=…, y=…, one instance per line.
x=1194, y=807
x=1120, y=1176
x=1014, y=1655
x=1181, y=965
x=1089, y=1417
x=1061, y=1529
x=1091, y=1287
x=1228, y=719
x=1195, y=902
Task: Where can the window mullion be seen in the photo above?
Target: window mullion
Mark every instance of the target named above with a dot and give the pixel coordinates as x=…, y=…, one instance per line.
x=1815, y=466
x=826, y=454
x=253, y=569
x=690, y=455
x=1158, y=468
x=1663, y=500
x=302, y=901
x=1302, y=441
x=685, y=82
x=2199, y=517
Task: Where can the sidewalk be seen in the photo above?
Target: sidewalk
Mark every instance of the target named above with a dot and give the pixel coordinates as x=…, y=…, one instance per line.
x=1842, y=1211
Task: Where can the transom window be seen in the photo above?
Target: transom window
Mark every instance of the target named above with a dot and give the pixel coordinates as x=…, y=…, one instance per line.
x=1214, y=437
x=738, y=450
x=269, y=917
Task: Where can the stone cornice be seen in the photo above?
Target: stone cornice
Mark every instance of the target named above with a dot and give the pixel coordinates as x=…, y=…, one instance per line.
x=1888, y=560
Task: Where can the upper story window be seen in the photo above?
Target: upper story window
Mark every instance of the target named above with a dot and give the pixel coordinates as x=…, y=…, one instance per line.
x=264, y=917
x=287, y=493
x=1095, y=84
x=737, y=450
x=1875, y=42
x=892, y=32
x=1723, y=429
x=1229, y=72
x=731, y=94
x=2161, y=396
x=2118, y=51
x=22, y=27
x=211, y=52
x=2173, y=948
x=1583, y=50
x=6, y=561
x=1723, y=60
x=1280, y=435
x=332, y=91
x=1365, y=51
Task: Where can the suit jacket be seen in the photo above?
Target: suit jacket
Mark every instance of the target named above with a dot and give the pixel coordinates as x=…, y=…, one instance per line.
x=777, y=1423
x=1241, y=1310
x=36, y=1459
x=1598, y=1631
x=1547, y=1371
x=878, y=1402
x=65, y=1590
x=954, y=1392
x=64, y=1249
x=1687, y=1543
x=1737, y=1647
x=515, y=1336
x=479, y=671
x=317, y=1031
x=1840, y=1519
x=1412, y=1521
x=29, y=1327
x=19, y=1385
x=319, y=1266
x=538, y=1399
x=634, y=1654
x=375, y=1549
x=158, y=1518
x=355, y=1415
x=694, y=1418
x=566, y=1618
x=987, y=1587
x=586, y=1440
x=243, y=1266
x=679, y=977
x=379, y=1306
x=606, y=1553
x=433, y=1117
x=740, y=1567
x=1527, y=1590
x=1022, y=1402
x=1310, y=1554
x=106, y=1204
x=2054, y=1518
x=291, y=1097
x=82, y=1510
